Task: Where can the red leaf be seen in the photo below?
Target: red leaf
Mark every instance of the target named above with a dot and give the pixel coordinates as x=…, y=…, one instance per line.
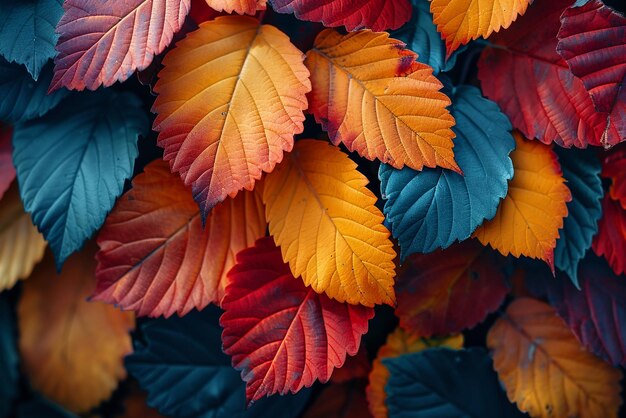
x=614, y=167
x=448, y=291
x=7, y=171
x=102, y=42
x=592, y=40
x=282, y=335
x=202, y=12
x=533, y=85
x=611, y=239
x=377, y=15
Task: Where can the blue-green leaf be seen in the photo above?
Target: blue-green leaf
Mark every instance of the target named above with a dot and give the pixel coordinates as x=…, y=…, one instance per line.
x=72, y=163
x=27, y=32
x=433, y=208
x=8, y=358
x=39, y=407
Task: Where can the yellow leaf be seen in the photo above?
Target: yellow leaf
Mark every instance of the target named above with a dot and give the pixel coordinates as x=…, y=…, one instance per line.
x=238, y=6
x=21, y=245
x=529, y=218
x=327, y=225
x=230, y=99
x=369, y=93
x=544, y=368
x=460, y=21
x=72, y=350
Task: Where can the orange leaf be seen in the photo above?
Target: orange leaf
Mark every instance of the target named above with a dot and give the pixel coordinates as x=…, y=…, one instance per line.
x=157, y=259
x=72, y=350
x=230, y=99
x=328, y=227
x=460, y=21
x=529, y=218
x=544, y=368
x=370, y=94
x=238, y=6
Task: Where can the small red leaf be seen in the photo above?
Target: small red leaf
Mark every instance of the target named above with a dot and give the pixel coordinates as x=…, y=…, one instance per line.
x=614, y=168
x=282, y=335
x=611, y=239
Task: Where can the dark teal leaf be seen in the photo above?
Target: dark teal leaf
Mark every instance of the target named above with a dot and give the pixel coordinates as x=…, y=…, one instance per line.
x=581, y=168
x=21, y=97
x=182, y=367
x=445, y=383
x=421, y=36
x=27, y=32
x=433, y=208
x=72, y=163
x=8, y=358
x=40, y=407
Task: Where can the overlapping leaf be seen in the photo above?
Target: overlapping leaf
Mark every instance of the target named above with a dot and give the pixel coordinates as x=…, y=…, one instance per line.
x=529, y=218
x=448, y=291
x=398, y=343
x=534, y=86
x=156, y=258
x=102, y=42
x=371, y=95
x=9, y=361
x=27, y=32
x=433, y=208
x=460, y=21
x=71, y=349
x=611, y=239
x=238, y=6
x=329, y=230
x=340, y=400
x=545, y=370
x=295, y=336
x=444, y=383
x=378, y=15
x=231, y=98
x=72, y=163
x=7, y=171
x=614, y=168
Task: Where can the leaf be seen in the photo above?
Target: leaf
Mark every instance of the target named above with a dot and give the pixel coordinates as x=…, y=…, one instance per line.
x=230, y=100
x=433, y=208
x=72, y=163
x=610, y=241
x=238, y=6
x=398, y=343
x=27, y=32
x=377, y=15
x=592, y=41
x=21, y=97
x=187, y=375
x=614, y=168
x=281, y=335
x=369, y=93
x=7, y=171
x=340, y=400
x=581, y=170
x=102, y=42
x=460, y=21
x=329, y=230
x=39, y=407
x=445, y=383
x=62, y=335
x=355, y=368
x=155, y=256
x=21, y=245
x=448, y=291
x=534, y=87
x=9, y=361
x=545, y=370
x=529, y=218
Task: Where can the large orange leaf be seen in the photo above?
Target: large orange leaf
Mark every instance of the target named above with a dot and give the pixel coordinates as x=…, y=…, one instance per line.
x=230, y=99
x=398, y=343
x=238, y=6
x=157, y=259
x=460, y=21
x=72, y=350
x=369, y=93
x=529, y=218
x=544, y=368
x=329, y=230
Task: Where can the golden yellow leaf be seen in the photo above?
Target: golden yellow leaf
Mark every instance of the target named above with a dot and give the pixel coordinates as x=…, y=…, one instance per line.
x=72, y=350
x=371, y=94
x=544, y=368
x=329, y=230
x=529, y=218
x=238, y=6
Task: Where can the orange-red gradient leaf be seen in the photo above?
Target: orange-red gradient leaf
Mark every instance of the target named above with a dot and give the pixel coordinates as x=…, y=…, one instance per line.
x=156, y=258
x=230, y=99
x=529, y=218
x=328, y=227
x=72, y=350
x=371, y=94
x=248, y=7
x=545, y=370
x=282, y=335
